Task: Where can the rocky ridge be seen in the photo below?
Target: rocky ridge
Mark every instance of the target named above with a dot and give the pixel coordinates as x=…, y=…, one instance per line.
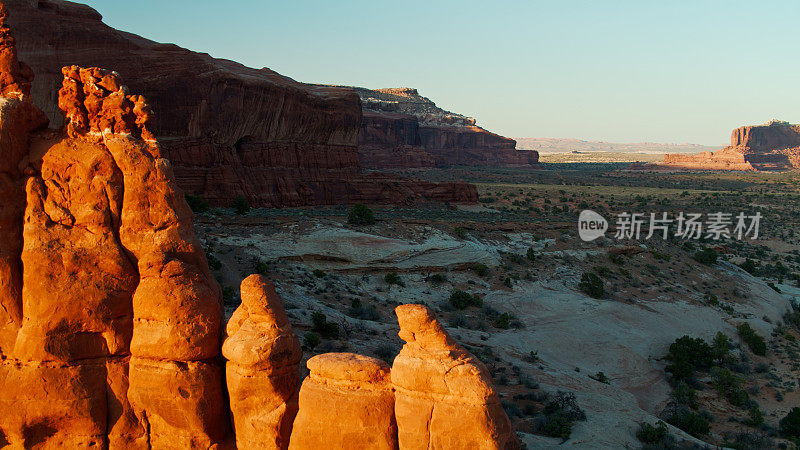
x=228, y=130
x=402, y=129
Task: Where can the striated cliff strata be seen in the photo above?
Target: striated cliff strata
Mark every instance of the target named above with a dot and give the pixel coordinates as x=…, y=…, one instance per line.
x=402, y=129
x=228, y=130
x=772, y=146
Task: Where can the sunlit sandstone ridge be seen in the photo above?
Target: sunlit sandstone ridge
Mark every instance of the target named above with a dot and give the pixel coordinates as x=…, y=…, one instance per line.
x=111, y=326
x=772, y=146
x=229, y=130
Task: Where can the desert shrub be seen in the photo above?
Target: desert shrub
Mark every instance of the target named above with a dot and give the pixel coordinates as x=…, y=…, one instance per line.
x=262, y=268
x=600, y=377
x=530, y=254
x=364, y=312
x=462, y=300
x=460, y=232
x=517, y=259
x=790, y=424
x=603, y=271
x=696, y=424
x=213, y=262
x=754, y=416
x=687, y=355
x=565, y=403
x=436, y=278
x=616, y=259
x=320, y=324
x=720, y=347
x=197, y=203
x=503, y=321
x=393, y=278
x=480, y=269
x=683, y=394
x=729, y=386
x=653, y=434
x=752, y=339
x=360, y=214
x=240, y=205
x=386, y=352
x=591, y=285
x=319, y=273
x=749, y=266
x=556, y=425
x=310, y=340
x=228, y=292
x=706, y=256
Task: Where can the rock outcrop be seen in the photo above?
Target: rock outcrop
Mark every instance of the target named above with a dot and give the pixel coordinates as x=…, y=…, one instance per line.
x=772, y=146
x=345, y=402
x=227, y=129
x=443, y=395
x=263, y=367
x=402, y=129
x=112, y=319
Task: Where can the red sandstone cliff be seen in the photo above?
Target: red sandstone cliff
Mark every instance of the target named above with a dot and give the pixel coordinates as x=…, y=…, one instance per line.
x=402, y=129
x=772, y=146
x=228, y=129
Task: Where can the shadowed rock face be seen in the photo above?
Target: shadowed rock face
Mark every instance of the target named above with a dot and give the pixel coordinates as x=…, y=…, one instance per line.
x=773, y=146
x=402, y=129
x=228, y=130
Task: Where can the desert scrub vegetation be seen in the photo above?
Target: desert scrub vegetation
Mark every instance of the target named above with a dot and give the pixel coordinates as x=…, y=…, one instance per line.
x=480, y=269
x=197, y=203
x=240, y=205
x=360, y=214
x=752, y=339
x=707, y=256
x=591, y=285
x=654, y=436
x=320, y=325
x=393, y=278
x=559, y=414
x=463, y=300
x=790, y=425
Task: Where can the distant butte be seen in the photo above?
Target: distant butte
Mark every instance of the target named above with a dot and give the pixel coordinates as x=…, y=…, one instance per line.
x=772, y=146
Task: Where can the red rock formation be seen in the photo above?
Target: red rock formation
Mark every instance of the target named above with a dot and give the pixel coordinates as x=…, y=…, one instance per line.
x=228, y=130
x=345, y=402
x=773, y=146
x=401, y=129
x=113, y=337
x=263, y=367
x=443, y=395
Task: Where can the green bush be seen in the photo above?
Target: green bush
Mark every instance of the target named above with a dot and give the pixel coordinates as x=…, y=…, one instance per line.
x=755, y=418
x=436, y=278
x=197, y=203
x=591, y=285
x=685, y=395
x=693, y=423
x=706, y=256
x=310, y=340
x=393, y=278
x=262, y=268
x=720, y=347
x=502, y=321
x=556, y=425
x=480, y=269
x=752, y=339
x=687, y=355
x=652, y=434
x=213, y=262
x=319, y=273
x=530, y=254
x=729, y=386
x=320, y=324
x=240, y=205
x=462, y=300
x=790, y=425
x=360, y=214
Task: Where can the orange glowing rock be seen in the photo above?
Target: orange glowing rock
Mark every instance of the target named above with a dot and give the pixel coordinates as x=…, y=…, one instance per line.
x=345, y=402
x=263, y=367
x=443, y=395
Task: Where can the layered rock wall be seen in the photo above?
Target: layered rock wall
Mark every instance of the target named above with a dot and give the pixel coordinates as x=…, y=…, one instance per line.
x=228, y=130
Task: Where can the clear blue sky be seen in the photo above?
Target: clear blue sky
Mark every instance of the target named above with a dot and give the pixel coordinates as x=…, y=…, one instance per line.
x=620, y=71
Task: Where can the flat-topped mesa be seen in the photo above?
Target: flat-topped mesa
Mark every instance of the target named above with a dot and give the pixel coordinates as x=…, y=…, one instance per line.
x=345, y=402
x=95, y=102
x=443, y=395
x=262, y=373
x=772, y=146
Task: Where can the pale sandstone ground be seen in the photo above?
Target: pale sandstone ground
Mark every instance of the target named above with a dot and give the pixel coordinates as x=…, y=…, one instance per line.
x=624, y=336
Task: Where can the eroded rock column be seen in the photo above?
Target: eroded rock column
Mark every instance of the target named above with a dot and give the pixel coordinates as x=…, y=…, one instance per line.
x=263, y=367
x=444, y=397
x=346, y=402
